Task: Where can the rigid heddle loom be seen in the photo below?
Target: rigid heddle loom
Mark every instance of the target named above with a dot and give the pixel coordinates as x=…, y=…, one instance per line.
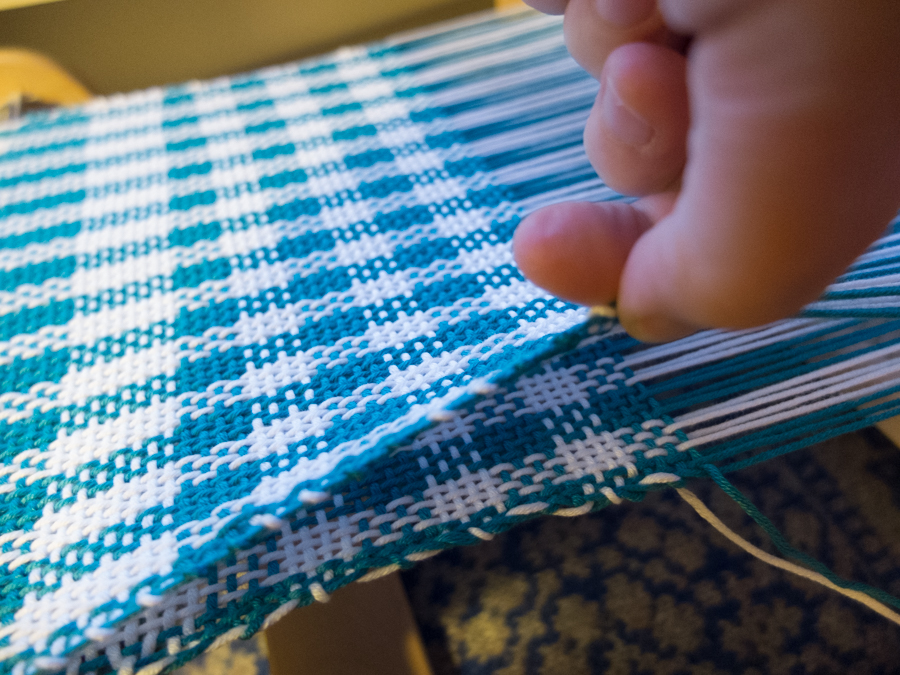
x=263, y=336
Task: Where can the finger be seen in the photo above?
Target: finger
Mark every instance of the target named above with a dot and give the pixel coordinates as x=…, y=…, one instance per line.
x=548, y=6
x=636, y=134
x=794, y=168
x=594, y=28
x=577, y=250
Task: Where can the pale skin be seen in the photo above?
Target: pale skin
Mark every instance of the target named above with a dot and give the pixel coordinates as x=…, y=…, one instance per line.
x=763, y=139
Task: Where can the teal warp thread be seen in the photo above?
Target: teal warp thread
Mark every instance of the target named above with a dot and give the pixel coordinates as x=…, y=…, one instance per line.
x=787, y=549
x=855, y=424
x=847, y=422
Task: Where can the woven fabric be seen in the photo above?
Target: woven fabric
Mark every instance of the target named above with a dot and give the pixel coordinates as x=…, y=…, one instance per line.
x=263, y=336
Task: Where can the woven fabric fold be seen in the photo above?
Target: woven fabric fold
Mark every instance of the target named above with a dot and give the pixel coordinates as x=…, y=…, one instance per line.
x=263, y=336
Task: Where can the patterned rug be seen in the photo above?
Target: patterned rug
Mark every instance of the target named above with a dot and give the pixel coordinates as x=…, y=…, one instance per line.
x=241, y=657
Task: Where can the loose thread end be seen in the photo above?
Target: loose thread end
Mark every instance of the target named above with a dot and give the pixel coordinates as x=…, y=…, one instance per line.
x=711, y=518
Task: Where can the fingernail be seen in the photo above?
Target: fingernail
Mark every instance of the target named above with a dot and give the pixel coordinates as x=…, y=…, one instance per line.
x=624, y=13
x=656, y=328
x=620, y=120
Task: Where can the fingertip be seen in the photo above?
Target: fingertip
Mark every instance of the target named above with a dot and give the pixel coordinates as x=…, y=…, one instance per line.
x=594, y=28
x=636, y=136
x=649, y=299
x=577, y=250
x=655, y=328
x=673, y=285
x=694, y=272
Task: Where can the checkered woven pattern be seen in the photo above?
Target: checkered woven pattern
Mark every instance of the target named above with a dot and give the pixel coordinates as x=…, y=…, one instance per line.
x=263, y=336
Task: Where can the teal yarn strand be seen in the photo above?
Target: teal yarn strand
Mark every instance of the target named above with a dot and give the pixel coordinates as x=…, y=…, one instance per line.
x=787, y=549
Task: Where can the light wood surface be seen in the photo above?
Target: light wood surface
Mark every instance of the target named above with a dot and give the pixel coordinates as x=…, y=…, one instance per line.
x=891, y=429
x=28, y=74
x=15, y=4
x=121, y=45
x=364, y=629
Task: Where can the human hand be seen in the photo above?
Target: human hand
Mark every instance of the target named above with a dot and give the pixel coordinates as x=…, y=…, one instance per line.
x=763, y=137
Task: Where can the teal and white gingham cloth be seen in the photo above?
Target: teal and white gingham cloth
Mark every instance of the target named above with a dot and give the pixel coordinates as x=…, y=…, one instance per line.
x=263, y=336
